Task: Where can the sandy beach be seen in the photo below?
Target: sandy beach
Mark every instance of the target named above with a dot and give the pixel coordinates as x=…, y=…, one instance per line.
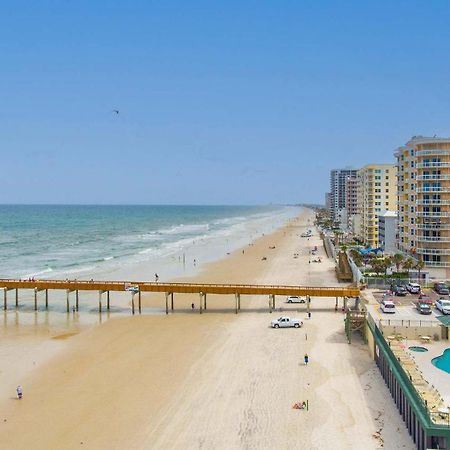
x=211, y=381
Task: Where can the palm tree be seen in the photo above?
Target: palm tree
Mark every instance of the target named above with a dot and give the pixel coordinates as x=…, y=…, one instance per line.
x=408, y=265
x=397, y=259
x=377, y=265
x=419, y=266
x=386, y=263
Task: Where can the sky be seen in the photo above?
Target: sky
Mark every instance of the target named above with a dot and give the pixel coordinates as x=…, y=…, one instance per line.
x=220, y=102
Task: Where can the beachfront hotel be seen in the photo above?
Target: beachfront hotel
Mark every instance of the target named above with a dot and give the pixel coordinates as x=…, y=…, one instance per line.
x=338, y=179
x=424, y=202
x=377, y=193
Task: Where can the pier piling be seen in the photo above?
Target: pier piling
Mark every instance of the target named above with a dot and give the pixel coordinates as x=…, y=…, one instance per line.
x=46, y=299
x=132, y=302
x=35, y=298
x=167, y=302
x=5, y=299
x=17, y=298
x=139, y=302
x=77, y=300
x=171, y=300
x=107, y=300
x=68, y=300
x=201, y=306
x=100, y=302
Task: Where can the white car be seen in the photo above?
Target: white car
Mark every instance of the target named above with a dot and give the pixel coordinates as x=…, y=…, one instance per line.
x=286, y=322
x=413, y=288
x=295, y=299
x=387, y=306
x=443, y=306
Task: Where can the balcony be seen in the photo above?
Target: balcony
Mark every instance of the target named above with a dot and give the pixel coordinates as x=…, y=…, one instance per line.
x=433, y=251
x=436, y=202
x=432, y=177
x=433, y=226
x=432, y=239
x=433, y=214
x=432, y=151
x=432, y=164
x=433, y=189
x=437, y=263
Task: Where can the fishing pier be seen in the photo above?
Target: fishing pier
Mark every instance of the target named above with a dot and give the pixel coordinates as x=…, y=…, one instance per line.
x=136, y=288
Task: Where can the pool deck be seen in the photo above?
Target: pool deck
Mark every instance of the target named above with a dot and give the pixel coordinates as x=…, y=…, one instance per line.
x=436, y=377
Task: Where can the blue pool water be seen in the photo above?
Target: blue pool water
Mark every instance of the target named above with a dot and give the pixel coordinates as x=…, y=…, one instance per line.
x=416, y=348
x=443, y=362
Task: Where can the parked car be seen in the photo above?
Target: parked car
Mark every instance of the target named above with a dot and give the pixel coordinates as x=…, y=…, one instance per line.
x=295, y=299
x=423, y=308
x=413, y=288
x=387, y=306
x=286, y=322
x=398, y=289
x=443, y=306
x=441, y=288
x=424, y=298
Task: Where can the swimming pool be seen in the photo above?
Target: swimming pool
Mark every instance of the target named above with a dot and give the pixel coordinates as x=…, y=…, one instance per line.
x=417, y=348
x=443, y=362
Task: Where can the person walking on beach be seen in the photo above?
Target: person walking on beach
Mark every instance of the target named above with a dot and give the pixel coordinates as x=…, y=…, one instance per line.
x=19, y=392
x=193, y=307
x=306, y=358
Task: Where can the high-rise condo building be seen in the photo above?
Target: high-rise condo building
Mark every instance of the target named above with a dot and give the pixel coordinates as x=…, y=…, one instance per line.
x=377, y=193
x=424, y=201
x=338, y=179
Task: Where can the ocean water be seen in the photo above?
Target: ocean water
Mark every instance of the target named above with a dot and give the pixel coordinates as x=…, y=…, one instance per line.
x=132, y=242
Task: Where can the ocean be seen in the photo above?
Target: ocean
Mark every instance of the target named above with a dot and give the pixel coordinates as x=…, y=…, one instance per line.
x=125, y=242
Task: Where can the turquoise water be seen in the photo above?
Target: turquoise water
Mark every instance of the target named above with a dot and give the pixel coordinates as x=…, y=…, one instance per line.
x=443, y=362
x=58, y=241
x=416, y=348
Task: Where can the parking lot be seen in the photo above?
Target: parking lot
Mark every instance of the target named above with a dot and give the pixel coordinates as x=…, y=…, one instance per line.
x=406, y=306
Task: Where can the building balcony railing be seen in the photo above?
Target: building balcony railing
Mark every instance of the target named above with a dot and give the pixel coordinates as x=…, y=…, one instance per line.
x=432, y=177
x=436, y=202
x=433, y=226
x=432, y=151
x=437, y=263
x=432, y=164
x=433, y=214
x=432, y=239
x=433, y=251
x=434, y=189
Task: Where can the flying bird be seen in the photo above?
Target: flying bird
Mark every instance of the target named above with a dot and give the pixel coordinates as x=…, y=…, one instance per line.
x=116, y=111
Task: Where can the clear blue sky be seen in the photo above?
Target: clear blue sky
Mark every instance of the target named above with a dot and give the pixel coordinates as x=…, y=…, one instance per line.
x=220, y=102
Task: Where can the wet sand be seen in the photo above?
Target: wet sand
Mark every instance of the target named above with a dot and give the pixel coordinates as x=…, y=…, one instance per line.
x=216, y=380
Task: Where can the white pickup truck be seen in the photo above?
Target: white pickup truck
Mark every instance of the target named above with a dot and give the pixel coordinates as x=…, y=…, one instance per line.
x=286, y=322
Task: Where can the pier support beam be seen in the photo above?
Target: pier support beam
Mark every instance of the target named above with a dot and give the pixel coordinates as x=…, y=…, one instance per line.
x=35, y=298
x=77, y=300
x=107, y=300
x=171, y=301
x=139, y=302
x=201, y=304
x=345, y=303
x=273, y=301
x=132, y=302
x=236, y=303
x=308, y=304
x=336, y=305
x=167, y=302
x=204, y=300
x=46, y=299
x=270, y=304
x=17, y=298
x=68, y=300
x=5, y=299
x=100, y=302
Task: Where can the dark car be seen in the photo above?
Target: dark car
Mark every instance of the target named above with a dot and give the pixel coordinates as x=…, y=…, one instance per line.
x=399, y=290
x=423, y=308
x=424, y=298
x=441, y=288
